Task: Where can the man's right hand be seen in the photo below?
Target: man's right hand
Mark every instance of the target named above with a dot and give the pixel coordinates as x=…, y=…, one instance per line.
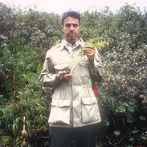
x=63, y=75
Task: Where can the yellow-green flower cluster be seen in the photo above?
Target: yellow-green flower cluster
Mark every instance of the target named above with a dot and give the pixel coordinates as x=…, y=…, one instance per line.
x=92, y=42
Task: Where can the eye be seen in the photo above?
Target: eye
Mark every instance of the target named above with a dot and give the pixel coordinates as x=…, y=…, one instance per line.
x=68, y=25
x=75, y=25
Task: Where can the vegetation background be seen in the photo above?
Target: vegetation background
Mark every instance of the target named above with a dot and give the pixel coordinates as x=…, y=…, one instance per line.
x=121, y=39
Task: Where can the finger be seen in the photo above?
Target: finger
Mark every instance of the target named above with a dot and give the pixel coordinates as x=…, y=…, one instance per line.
x=66, y=79
x=90, y=47
x=90, y=53
x=70, y=75
x=89, y=50
x=61, y=72
x=67, y=76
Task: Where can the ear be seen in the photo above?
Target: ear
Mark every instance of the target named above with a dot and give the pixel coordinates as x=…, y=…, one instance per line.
x=62, y=27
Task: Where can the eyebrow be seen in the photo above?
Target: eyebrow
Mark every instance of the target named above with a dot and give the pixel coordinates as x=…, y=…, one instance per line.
x=69, y=25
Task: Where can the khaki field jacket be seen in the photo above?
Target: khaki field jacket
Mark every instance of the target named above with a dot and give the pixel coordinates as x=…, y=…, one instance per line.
x=73, y=102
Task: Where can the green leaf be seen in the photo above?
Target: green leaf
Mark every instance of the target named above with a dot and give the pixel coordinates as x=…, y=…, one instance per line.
x=1, y=96
x=17, y=122
x=142, y=118
x=132, y=101
x=131, y=139
x=14, y=129
x=135, y=131
x=131, y=109
x=117, y=133
x=107, y=123
x=121, y=110
x=129, y=121
x=125, y=104
x=116, y=110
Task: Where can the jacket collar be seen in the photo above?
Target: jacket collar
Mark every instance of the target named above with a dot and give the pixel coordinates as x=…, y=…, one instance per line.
x=63, y=43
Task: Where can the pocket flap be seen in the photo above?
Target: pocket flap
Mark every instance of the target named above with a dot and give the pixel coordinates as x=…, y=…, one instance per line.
x=60, y=103
x=60, y=66
x=89, y=101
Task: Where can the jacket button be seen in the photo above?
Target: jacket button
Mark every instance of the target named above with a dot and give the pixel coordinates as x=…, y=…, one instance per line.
x=74, y=98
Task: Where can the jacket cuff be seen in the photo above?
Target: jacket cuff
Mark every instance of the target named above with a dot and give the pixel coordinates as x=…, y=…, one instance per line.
x=57, y=80
x=92, y=64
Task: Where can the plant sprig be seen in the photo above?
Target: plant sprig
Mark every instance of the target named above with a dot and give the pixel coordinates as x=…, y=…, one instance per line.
x=74, y=62
x=92, y=42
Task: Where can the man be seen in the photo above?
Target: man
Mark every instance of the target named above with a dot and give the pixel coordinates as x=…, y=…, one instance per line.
x=74, y=107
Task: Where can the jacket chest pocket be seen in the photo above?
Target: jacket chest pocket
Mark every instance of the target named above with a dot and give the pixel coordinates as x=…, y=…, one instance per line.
x=90, y=110
x=60, y=67
x=61, y=62
x=60, y=112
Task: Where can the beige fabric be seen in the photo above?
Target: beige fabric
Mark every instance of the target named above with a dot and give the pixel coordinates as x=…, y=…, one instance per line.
x=73, y=102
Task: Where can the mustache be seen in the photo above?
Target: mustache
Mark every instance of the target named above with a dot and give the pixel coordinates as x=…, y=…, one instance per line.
x=71, y=31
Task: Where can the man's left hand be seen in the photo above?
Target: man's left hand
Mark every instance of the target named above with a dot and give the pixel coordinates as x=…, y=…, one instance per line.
x=89, y=51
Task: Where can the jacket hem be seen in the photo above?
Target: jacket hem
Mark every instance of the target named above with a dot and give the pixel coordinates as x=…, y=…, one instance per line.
x=74, y=126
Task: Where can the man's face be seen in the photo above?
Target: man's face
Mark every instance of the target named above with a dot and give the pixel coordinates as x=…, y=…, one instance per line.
x=71, y=28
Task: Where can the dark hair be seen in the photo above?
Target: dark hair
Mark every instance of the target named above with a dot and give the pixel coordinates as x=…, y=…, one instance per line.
x=71, y=14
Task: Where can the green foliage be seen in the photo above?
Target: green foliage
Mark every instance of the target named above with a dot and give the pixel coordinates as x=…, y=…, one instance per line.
x=127, y=27
x=120, y=38
x=33, y=104
x=123, y=96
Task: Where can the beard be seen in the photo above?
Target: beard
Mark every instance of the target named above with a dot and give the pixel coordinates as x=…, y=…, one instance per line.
x=72, y=37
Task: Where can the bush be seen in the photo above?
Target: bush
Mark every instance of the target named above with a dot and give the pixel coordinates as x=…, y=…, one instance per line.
x=123, y=97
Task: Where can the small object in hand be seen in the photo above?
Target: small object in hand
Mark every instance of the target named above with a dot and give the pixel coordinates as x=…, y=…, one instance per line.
x=67, y=70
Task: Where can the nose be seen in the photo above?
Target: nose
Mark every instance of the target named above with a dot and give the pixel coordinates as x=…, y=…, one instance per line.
x=71, y=27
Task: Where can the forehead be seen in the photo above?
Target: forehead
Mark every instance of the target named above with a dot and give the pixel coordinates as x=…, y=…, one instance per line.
x=71, y=20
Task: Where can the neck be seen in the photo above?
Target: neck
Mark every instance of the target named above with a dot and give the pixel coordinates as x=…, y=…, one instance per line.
x=73, y=43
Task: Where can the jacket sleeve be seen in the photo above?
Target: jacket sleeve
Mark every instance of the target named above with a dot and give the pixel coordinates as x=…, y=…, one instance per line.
x=96, y=68
x=48, y=75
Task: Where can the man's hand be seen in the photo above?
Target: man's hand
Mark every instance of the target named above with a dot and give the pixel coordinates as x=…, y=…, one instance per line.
x=64, y=75
x=89, y=51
